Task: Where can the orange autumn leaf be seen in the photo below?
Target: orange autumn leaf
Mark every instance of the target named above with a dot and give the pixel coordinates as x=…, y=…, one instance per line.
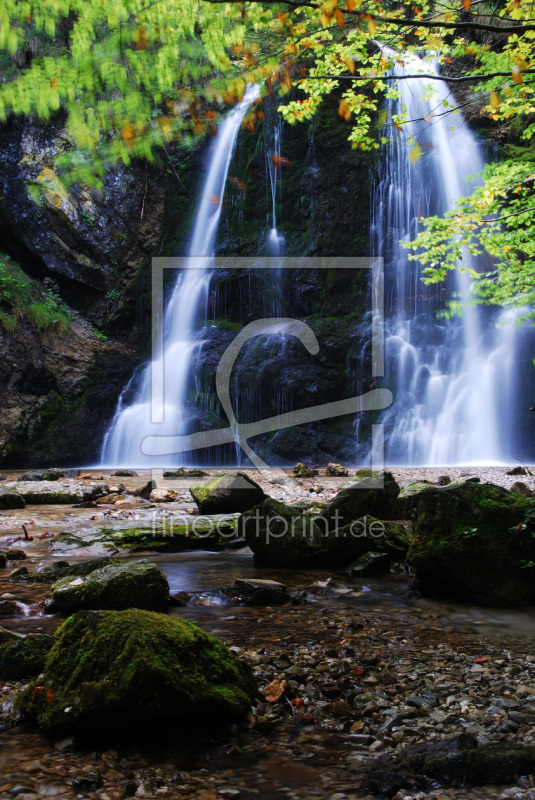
x=494, y=100
x=467, y=4
x=325, y=19
x=350, y=64
x=398, y=127
x=141, y=38
x=28, y=18
x=351, y=5
x=344, y=109
x=279, y=161
x=358, y=670
x=53, y=83
x=127, y=133
x=210, y=114
x=260, y=115
x=340, y=19
x=298, y=702
x=481, y=660
x=49, y=696
x=275, y=690
x=372, y=26
x=36, y=690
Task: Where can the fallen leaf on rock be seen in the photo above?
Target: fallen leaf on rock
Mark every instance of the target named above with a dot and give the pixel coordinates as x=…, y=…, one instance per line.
x=275, y=690
x=36, y=690
x=49, y=696
x=358, y=670
x=298, y=702
x=481, y=660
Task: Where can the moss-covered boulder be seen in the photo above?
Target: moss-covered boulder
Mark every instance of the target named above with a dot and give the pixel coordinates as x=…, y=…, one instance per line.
x=287, y=536
x=137, y=584
x=10, y=499
x=55, y=570
x=474, y=542
x=58, y=492
x=302, y=471
x=24, y=658
x=135, y=670
x=373, y=496
x=184, y=472
x=231, y=493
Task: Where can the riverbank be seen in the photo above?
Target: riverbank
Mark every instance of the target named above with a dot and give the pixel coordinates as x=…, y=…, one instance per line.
x=369, y=670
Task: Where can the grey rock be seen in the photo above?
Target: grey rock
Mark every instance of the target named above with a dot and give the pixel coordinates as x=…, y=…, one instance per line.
x=10, y=499
x=68, y=745
x=250, y=586
x=370, y=564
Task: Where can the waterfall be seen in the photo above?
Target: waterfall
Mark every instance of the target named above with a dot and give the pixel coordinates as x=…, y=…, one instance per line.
x=273, y=168
x=449, y=377
x=132, y=424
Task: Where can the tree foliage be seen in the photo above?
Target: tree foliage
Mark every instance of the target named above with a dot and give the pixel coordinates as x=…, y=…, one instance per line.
x=131, y=75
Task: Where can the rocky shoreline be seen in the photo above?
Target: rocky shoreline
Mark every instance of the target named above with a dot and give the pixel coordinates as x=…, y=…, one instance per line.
x=357, y=697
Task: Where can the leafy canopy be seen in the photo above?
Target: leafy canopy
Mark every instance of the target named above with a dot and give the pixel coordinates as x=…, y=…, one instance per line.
x=132, y=75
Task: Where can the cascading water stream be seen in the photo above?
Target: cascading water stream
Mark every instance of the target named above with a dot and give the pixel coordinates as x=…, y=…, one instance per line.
x=132, y=424
x=273, y=166
x=449, y=377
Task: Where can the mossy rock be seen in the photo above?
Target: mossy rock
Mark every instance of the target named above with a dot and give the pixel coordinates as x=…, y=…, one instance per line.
x=137, y=584
x=461, y=762
x=10, y=499
x=287, y=536
x=281, y=536
x=183, y=472
x=54, y=493
x=230, y=493
x=302, y=471
x=472, y=542
x=122, y=671
x=24, y=658
x=62, y=569
x=373, y=496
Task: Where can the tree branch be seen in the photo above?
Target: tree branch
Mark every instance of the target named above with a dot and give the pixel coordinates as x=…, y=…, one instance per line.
x=483, y=76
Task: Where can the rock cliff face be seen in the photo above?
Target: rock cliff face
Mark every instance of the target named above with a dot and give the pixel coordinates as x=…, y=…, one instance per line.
x=58, y=393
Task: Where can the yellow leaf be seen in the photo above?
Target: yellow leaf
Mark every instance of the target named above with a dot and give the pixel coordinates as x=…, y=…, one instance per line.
x=507, y=91
x=325, y=19
x=344, y=110
x=517, y=77
x=351, y=5
x=340, y=19
x=494, y=100
x=372, y=26
x=467, y=4
x=415, y=153
x=434, y=43
x=350, y=64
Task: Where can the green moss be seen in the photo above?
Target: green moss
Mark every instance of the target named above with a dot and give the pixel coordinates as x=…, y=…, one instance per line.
x=113, y=670
x=25, y=657
x=116, y=586
x=470, y=544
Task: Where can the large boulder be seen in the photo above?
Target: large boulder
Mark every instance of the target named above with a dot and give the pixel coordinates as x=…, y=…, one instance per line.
x=23, y=658
x=10, y=499
x=285, y=536
x=53, y=474
x=474, y=542
x=458, y=760
x=231, y=493
x=111, y=671
x=58, y=492
x=137, y=584
x=55, y=570
x=373, y=496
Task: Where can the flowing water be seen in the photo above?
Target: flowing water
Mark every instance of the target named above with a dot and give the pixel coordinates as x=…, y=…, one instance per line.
x=132, y=424
x=452, y=379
